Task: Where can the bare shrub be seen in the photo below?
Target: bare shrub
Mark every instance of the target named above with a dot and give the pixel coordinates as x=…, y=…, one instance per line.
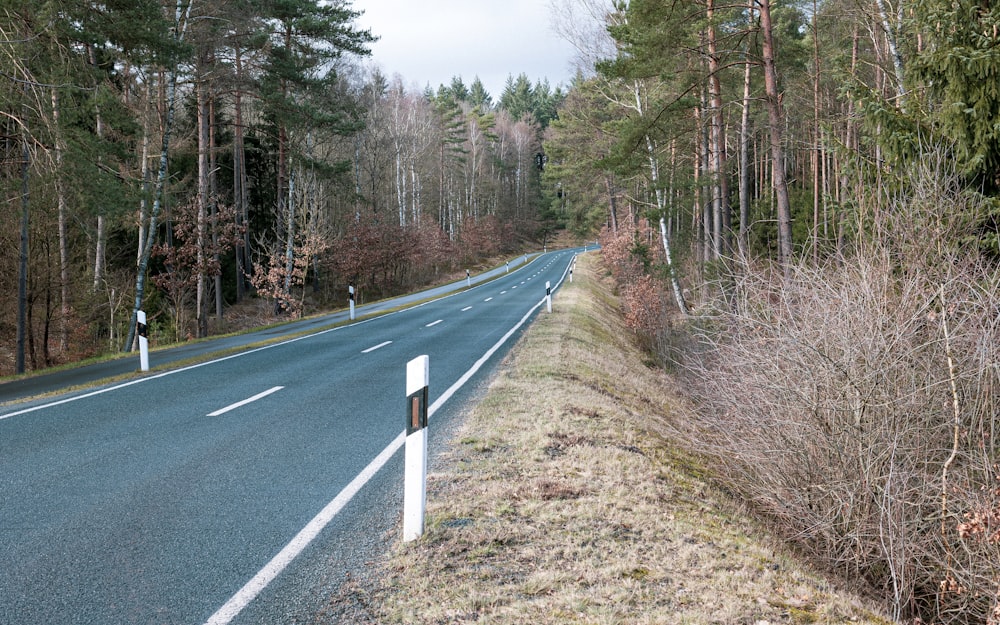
x=632, y=256
x=855, y=405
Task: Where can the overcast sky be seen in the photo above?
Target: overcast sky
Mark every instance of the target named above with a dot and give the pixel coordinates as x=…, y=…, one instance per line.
x=429, y=41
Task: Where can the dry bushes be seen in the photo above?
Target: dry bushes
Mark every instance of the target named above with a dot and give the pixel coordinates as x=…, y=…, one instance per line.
x=629, y=254
x=855, y=404
x=559, y=502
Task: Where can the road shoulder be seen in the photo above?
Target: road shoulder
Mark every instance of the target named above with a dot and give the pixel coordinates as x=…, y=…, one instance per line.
x=562, y=500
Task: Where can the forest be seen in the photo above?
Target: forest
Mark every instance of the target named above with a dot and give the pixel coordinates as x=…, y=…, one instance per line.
x=799, y=206
x=798, y=200
x=224, y=162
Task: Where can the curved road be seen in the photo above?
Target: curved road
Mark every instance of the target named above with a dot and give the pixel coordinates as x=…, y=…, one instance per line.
x=30, y=386
x=241, y=490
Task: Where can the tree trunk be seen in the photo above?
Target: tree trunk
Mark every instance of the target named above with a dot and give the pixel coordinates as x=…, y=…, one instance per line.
x=64, y=295
x=201, y=304
x=849, y=146
x=892, y=41
x=143, y=201
x=161, y=181
x=775, y=121
x=99, y=253
x=213, y=206
x=720, y=186
x=22, y=271
x=612, y=202
x=286, y=289
x=744, y=235
x=101, y=226
x=240, y=182
x=654, y=175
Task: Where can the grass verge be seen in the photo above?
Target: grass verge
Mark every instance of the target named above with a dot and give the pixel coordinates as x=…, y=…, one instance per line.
x=561, y=500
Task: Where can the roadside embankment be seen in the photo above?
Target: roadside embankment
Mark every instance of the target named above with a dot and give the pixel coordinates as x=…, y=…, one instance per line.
x=562, y=500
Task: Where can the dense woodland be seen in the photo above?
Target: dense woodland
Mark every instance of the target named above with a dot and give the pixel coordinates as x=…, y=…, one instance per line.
x=798, y=201
x=201, y=160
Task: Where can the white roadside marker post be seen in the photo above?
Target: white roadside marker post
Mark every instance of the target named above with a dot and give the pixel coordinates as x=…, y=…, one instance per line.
x=350, y=297
x=468, y=278
x=548, y=295
x=415, y=461
x=143, y=331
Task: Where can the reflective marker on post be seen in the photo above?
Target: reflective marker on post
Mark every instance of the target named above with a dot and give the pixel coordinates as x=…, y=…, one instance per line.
x=143, y=331
x=548, y=295
x=415, y=461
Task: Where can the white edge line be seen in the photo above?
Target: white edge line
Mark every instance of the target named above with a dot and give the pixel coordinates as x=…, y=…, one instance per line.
x=482, y=360
x=116, y=387
x=278, y=563
x=374, y=347
x=164, y=374
x=246, y=401
x=250, y=590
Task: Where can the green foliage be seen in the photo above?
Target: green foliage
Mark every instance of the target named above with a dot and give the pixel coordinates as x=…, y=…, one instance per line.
x=479, y=97
x=305, y=38
x=521, y=99
x=959, y=69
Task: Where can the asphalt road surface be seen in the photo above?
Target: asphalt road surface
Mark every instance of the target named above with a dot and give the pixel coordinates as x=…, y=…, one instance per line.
x=245, y=489
x=17, y=389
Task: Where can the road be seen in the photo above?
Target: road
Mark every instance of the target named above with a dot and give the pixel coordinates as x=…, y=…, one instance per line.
x=240, y=490
x=17, y=389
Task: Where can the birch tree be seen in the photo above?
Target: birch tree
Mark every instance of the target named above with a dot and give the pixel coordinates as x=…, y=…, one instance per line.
x=182, y=14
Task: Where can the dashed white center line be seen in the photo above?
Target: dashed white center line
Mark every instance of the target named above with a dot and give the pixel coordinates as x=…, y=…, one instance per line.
x=245, y=401
x=373, y=348
x=502, y=292
x=489, y=298
x=470, y=307
x=433, y=323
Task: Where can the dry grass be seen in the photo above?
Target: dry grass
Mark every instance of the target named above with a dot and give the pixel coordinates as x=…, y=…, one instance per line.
x=561, y=501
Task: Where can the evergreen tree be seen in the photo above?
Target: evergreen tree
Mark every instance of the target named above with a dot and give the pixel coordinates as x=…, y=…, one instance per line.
x=518, y=97
x=546, y=102
x=479, y=97
x=451, y=156
x=959, y=67
x=578, y=144
x=456, y=90
x=307, y=36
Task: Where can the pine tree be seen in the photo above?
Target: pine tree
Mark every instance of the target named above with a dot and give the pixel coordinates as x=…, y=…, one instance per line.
x=307, y=36
x=959, y=66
